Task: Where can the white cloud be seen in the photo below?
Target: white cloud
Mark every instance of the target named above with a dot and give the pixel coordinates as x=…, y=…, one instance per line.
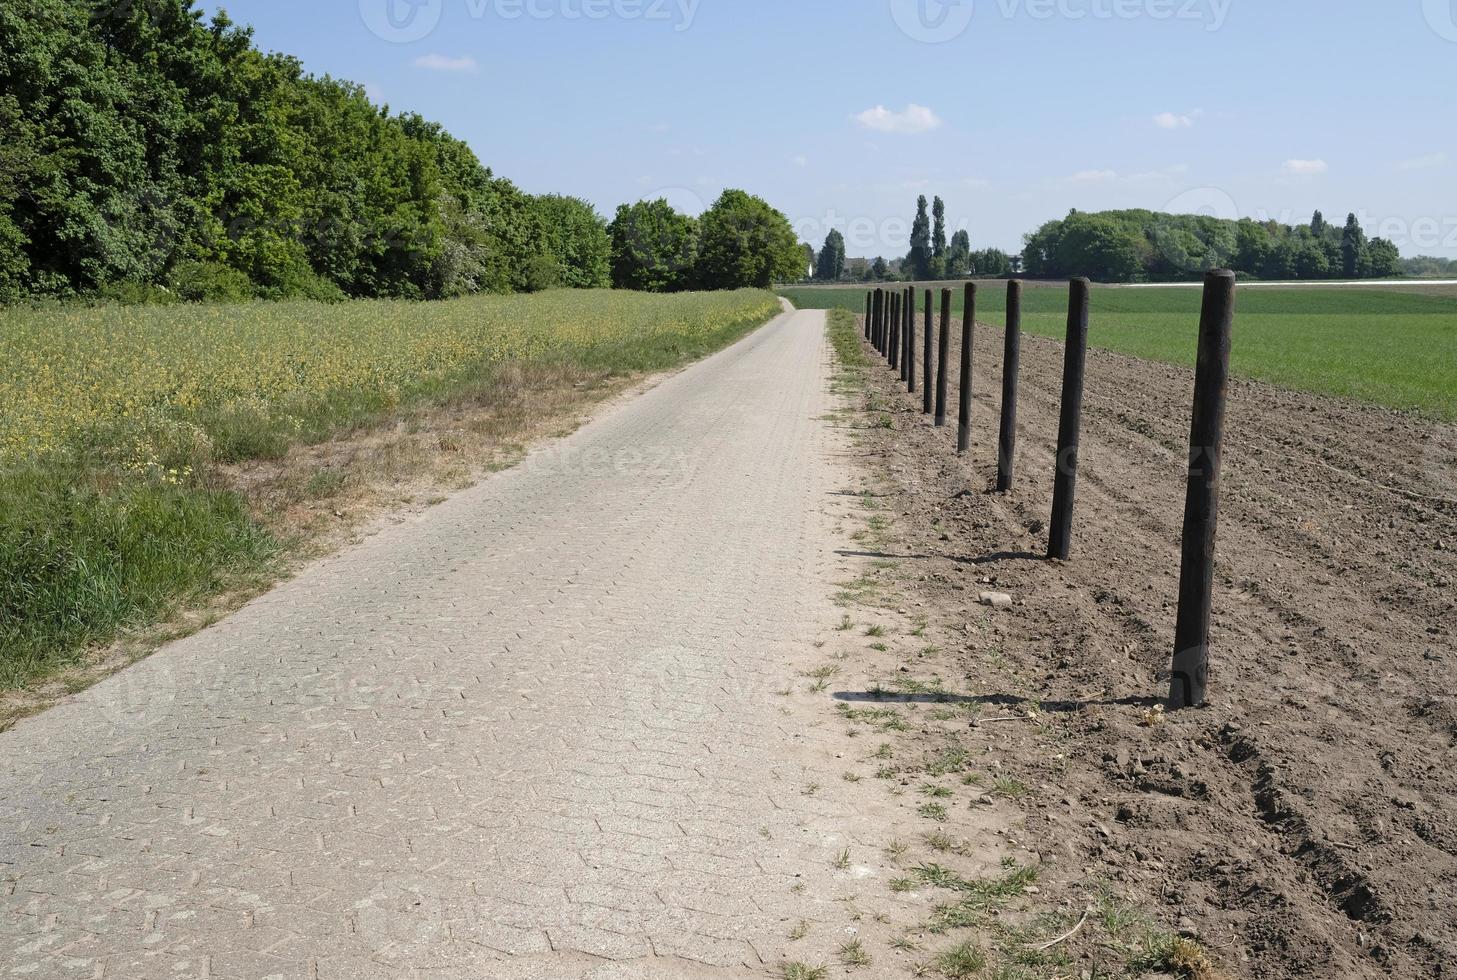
x=439, y=62
x=1177, y=120
x=800, y=161
x=1113, y=176
x=1429, y=162
x=975, y=182
x=912, y=119
x=1305, y=168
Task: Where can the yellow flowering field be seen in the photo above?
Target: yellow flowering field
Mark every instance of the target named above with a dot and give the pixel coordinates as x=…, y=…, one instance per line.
x=69, y=372
x=111, y=510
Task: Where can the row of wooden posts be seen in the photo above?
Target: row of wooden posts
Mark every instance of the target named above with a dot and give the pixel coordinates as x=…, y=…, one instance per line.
x=890, y=327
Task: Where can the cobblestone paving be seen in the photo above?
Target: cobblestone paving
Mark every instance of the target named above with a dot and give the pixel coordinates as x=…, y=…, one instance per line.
x=530, y=733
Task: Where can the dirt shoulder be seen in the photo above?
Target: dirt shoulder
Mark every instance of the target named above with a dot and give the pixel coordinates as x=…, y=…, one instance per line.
x=1305, y=824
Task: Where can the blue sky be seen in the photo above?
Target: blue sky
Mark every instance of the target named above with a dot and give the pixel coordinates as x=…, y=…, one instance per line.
x=840, y=112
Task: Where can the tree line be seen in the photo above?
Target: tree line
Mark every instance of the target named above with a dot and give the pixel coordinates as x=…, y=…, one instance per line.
x=1429, y=265
x=1147, y=246
x=147, y=153
x=932, y=255
x=1137, y=246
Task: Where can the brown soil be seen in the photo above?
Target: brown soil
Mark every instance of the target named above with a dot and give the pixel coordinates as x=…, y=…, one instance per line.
x=1305, y=823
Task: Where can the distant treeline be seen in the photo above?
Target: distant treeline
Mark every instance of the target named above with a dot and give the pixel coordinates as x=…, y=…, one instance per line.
x=932, y=255
x=1147, y=246
x=1136, y=246
x=1430, y=266
x=146, y=154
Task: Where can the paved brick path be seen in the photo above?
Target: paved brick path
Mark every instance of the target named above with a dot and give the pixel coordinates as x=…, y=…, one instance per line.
x=531, y=733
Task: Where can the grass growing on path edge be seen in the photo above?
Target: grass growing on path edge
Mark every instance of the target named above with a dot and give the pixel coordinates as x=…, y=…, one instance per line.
x=845, y=339
x=1387, y=347
x=135, y=517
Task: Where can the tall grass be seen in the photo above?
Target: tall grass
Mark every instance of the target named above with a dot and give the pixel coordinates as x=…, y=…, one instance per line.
x=80, y=559
x=115, y=423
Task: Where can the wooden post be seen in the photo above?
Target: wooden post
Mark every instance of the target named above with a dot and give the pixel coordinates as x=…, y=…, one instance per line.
x=911, y=339
x=879, y=317
x=1189, y=686
x=968, y=336
x=885, y=321
x=869, y=311
x=927, y=362
x=908, y=356
x=1011, y=364
x=1064, y=489
x=895, y=330
x=943, y=350
x=901, y=358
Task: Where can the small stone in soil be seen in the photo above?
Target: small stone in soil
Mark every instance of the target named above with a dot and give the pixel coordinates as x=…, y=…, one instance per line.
x=997, y=600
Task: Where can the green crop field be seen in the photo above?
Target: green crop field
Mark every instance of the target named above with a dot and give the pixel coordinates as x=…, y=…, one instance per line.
x=1390, y=347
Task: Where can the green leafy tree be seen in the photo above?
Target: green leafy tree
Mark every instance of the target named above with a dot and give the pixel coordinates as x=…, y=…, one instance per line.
x=1100, y=247
x=938, y=237
x=991, y=263
x=1384, y=259
x=810, y=258
x=143, y=145
x=575, y=235
x=1253, y=243
x=1318, y=225
x=1312, y=261
x=1282, y=261
x=958, y=255
x=831, y=265
x=745, y=242
x=920, y=258
x=1040, y=249
x=654, y=248
x=1353, y=248
x=879, y=270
